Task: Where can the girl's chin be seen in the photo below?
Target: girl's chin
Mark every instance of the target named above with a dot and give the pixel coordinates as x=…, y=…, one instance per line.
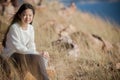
x=27, y=22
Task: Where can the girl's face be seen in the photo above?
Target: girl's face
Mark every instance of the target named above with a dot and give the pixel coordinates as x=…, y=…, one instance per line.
x=27, y=16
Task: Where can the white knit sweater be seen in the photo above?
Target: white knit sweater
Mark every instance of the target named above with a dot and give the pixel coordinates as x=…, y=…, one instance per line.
x=20, y=41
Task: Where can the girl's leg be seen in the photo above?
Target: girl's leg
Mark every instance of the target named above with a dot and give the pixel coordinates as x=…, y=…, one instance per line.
x=31, y=62
x=45, y=61
x=40, y=66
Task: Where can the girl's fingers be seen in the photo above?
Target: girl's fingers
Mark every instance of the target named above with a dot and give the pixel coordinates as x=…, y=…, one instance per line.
x=46, y=54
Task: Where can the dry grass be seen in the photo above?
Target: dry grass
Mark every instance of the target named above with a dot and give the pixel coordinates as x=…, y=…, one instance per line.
x=92, y=63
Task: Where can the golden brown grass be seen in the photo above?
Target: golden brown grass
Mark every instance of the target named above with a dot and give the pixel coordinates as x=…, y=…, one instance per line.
x=92, y=63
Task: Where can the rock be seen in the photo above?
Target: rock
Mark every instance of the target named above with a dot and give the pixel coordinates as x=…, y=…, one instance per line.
x=66, y=12
x=74, y=52
x=58, y=28
x=118, y=66
x=33, y=2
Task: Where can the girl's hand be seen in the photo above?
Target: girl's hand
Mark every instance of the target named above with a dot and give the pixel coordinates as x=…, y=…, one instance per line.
x=45, y=54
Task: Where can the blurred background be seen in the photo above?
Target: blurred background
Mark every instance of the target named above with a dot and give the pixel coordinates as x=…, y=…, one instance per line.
x=107, y=9
x=81, y=36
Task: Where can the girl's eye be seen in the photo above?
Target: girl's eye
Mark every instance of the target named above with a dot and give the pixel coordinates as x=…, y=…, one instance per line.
x=30, y=15
x=23, y=15
x=27, y=15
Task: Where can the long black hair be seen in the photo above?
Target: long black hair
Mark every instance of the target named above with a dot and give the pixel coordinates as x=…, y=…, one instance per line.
x=17, y=18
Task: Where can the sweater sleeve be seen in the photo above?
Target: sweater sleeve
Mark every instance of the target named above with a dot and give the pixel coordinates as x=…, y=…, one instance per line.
x=14, y=40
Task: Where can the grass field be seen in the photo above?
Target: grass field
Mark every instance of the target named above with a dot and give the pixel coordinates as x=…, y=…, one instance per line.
x=92, y=63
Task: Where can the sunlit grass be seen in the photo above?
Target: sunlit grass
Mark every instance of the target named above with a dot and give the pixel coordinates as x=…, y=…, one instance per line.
x=92, y=63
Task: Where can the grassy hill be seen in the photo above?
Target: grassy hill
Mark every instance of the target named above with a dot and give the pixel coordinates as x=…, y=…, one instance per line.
x=92, y=62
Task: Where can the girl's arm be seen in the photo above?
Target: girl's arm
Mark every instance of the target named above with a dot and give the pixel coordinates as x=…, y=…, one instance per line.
x=15, y=42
